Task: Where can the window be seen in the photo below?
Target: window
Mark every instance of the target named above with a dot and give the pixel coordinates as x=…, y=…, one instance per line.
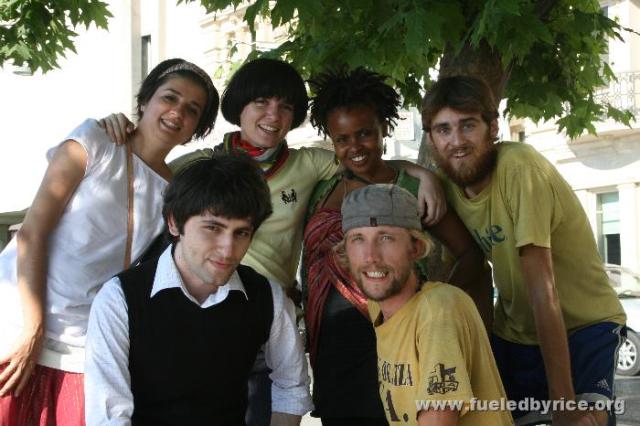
x=145, y=51
x=608, y=216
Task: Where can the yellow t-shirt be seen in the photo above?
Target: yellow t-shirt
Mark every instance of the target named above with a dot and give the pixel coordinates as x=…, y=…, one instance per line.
x=528, y=202
x=275, y=248
x=435, y=348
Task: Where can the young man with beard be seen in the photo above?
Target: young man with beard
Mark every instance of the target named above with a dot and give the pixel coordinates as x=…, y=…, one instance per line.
x=173, y=340
x=432, y=345
x=557, y=322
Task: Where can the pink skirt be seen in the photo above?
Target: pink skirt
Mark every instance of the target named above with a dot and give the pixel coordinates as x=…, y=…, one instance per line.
x=51, y=397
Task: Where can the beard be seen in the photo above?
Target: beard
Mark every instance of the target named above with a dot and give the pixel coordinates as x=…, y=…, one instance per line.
x=469, y=174
x=394, y=288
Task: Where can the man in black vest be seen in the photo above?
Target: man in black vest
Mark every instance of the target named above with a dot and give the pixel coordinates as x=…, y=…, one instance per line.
x=172, y=341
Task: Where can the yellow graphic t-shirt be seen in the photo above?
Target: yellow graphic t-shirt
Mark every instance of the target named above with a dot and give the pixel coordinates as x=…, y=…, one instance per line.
x=435, y=348
x=528, y=202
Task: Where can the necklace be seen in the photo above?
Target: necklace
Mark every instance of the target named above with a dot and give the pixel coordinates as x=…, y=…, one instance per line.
x=349, y=175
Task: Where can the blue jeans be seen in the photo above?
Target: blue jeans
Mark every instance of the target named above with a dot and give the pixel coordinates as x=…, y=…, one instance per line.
x=259, y=397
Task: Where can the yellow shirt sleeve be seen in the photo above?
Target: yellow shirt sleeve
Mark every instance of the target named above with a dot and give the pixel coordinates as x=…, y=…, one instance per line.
x=534, y=206
x=444, y=350
x=324, y=162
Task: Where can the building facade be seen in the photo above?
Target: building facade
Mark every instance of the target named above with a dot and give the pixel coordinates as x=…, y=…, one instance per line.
x=104, y=75
x=604, y=170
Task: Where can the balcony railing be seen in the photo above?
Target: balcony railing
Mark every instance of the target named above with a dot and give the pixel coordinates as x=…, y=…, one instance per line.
x=623, y=93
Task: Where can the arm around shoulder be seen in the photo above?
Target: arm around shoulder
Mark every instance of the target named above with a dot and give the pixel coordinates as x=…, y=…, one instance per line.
x=470, y=271
x=181, y=162
x=432, y=203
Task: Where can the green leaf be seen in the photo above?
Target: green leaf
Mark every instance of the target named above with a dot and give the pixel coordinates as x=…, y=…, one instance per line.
x=283, y=12
x=252, y=11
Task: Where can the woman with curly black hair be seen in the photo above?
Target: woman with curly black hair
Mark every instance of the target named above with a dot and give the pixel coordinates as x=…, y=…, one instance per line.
x=356, y=109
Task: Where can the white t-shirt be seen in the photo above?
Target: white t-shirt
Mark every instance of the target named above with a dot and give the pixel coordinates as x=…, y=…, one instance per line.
x=86, y=248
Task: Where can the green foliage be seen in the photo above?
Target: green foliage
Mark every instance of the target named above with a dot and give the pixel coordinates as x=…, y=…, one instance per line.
x=37, y=33
x=559, y=78
x=553, y=48
x=555, y=55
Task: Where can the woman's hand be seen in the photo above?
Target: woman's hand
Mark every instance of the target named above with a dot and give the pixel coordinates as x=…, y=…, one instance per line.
x=64, y=174
x=21, y=362
x=432, y=204
x=118, y=127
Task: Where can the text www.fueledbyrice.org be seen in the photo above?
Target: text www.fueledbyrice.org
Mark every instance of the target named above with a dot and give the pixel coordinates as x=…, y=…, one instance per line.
x=527, y=404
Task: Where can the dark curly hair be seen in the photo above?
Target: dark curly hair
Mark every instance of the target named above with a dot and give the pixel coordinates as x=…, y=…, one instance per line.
x=341, y=88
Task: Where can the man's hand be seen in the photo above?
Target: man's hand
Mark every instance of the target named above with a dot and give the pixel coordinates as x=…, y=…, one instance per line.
x=575, y=418
x=537, y=271
x=118, y=127
x=438, y=417
x=284, y=419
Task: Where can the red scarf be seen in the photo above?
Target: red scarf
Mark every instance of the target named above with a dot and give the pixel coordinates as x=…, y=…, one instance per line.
x=233, y=143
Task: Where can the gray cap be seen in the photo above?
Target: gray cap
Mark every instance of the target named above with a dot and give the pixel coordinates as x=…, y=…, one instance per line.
x=378, y=205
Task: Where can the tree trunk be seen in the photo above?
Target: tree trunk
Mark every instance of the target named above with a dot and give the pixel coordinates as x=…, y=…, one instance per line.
x=485, y=63
x=481, y=62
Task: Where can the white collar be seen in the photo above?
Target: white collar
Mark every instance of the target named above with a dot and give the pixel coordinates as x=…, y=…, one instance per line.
x=168, y=276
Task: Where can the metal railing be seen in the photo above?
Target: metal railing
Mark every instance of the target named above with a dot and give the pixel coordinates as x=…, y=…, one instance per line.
x=623, y=93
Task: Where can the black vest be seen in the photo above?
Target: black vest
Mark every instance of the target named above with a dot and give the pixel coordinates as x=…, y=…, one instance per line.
x=188, y=365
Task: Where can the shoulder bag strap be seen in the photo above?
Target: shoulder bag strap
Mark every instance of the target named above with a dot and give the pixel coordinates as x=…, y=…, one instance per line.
x=130, y=196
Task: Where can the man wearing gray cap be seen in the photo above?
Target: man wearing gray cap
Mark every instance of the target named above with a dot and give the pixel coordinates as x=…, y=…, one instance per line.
x=434, y=360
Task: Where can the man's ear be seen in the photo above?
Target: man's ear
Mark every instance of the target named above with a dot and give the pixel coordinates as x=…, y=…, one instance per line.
x=419, y=247
x=173, y=227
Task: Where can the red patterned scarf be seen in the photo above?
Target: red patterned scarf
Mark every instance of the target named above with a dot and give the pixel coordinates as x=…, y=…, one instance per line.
x=270, y=160
x=323, y=231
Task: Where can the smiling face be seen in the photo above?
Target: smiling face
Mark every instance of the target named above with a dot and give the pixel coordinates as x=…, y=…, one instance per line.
x=463, y=147
x=356, y=133
x=209, y=250
x=381, y=260
x=265, y=122
x=172, y=114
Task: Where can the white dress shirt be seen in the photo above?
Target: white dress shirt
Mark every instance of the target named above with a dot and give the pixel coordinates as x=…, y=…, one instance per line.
x=108, y=397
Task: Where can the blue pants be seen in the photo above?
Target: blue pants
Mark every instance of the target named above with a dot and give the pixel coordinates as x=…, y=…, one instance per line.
x=593, y=354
